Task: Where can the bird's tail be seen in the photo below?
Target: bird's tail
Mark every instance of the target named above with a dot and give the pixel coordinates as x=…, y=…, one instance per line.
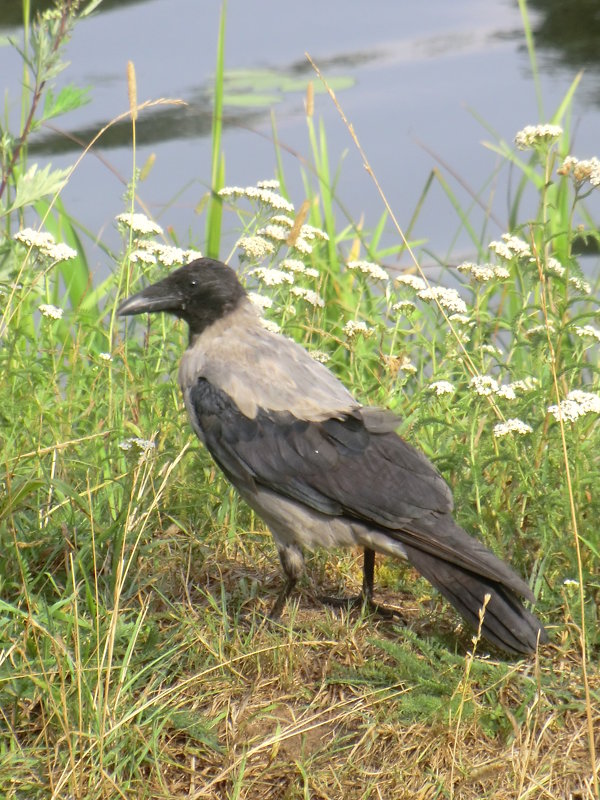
x=506, y=622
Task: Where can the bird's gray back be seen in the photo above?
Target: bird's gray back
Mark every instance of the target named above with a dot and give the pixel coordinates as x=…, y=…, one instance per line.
x=259, y=369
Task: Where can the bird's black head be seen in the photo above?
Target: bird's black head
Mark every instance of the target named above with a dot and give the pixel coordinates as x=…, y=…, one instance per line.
x=201, y=293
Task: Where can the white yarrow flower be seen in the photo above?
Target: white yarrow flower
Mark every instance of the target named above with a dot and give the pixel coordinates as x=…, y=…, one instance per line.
x=483, y=272
x=534, y=135
x=310, y=232
x=256, y=248
x=404, y=307
x=272, y=184
x=512, y=426
x=581, y=170
x=281, y=219
x=45, y=244
x=271, y=277
x=277, y=232
x=581, y=286
x=50, y=311
x=588, y=330
x=525, y=385
x=269, y=198
x=148, y=251
x=553, y=265
x=141, y=444
x=509, y=247
x=260, y=300
x=447, y=298
x=308, y=295
x=302, y=246
x=293, y=264
x=105, y=356
x=462, y=319
x=368, y=268
x=142, y=256
x=506, y=391
x=413, y=281
x=576, y=404
x=139, y=223
x=442, y=387
x=265, y=192
x=355, y=328
x=484, y=385
x=320, y=356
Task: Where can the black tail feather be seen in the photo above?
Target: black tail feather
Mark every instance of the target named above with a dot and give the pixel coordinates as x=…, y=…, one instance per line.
x=506, y=623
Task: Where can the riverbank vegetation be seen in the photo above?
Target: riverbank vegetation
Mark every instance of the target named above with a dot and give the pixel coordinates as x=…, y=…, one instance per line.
x=135, y=658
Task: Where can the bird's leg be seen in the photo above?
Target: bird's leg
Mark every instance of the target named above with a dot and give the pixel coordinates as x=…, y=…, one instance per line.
x=366, y=595
x=368, y=575
x=282, y=597
x=292, y=562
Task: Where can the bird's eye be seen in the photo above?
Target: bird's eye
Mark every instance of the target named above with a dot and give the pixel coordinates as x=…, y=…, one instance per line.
x=193, y=283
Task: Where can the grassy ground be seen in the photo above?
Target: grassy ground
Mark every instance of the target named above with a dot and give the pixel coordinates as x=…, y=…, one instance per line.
x=136, y=660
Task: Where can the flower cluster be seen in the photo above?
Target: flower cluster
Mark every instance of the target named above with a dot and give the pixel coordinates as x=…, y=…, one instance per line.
x=582, y=171
x=45, y=244
x=483, y=273
x=320, y=356
x=413, y=281
x=442, y=387
x=511, y=426
x=354, y=328
x=260, y=300
x=295, y=265
x=311, y=297
x=553, y=266
x=256, y=248
x=588, y=331
x=50, y=311
x=373, y=271
x=509, y=247
x=536, y=135
x=447, y=298
x=271, y=277
x=150, y=252
x=145, y=447
x=140, y=224
x=575, y=405
x=310, y=232
x=265, y=192
x=486, y=385
x=404, y=307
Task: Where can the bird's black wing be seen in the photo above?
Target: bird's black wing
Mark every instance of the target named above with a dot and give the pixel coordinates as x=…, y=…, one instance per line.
x=336, y=466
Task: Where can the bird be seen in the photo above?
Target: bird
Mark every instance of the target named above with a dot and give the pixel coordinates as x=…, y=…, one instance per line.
x=317, y=466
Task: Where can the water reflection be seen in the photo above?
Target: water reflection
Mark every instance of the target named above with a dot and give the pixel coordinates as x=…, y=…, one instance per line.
x=570, y=32
x=11, y=13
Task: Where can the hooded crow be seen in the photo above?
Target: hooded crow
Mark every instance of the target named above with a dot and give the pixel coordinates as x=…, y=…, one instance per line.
x=319, y=468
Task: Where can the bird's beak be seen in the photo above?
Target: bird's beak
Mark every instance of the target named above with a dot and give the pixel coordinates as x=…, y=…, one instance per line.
x=158, y=297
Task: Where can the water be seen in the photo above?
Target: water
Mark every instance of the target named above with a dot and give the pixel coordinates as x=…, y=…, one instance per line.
x=415, y=72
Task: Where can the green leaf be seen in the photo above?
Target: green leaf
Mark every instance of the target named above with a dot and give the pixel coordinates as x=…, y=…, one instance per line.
x=68, y=99
x=37, y=183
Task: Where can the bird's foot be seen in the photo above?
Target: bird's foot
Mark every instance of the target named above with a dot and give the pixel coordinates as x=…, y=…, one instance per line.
x=281, y=599
x=360, y=601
